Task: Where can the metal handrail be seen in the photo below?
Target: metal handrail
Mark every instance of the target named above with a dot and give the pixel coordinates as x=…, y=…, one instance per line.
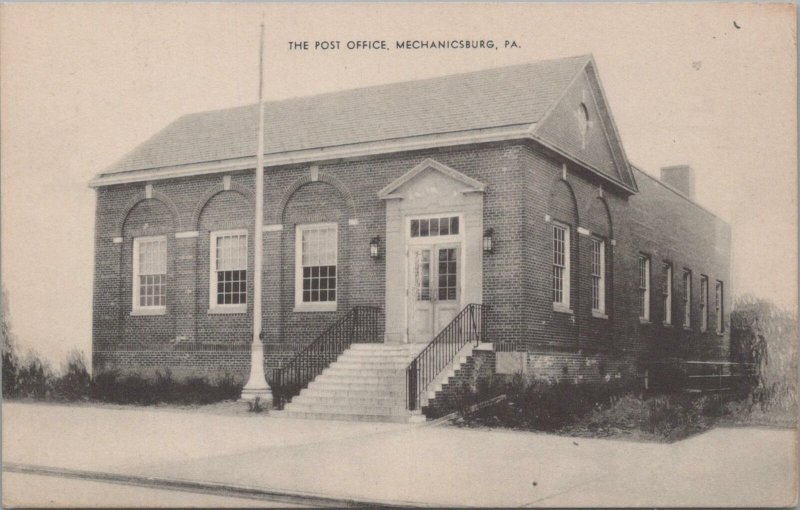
x=691, y=375
x=362, y=324
x=469, y=325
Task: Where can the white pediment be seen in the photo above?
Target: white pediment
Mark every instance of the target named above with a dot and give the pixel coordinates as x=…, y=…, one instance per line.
x=460, y=182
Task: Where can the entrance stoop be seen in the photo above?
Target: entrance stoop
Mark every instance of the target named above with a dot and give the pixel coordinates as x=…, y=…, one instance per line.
x=366, y=383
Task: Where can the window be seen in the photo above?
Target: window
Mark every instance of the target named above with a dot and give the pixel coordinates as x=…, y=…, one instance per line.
x=644, y=287
x=719, y=308
x=150, y=274
x=430, y=227
x=667, y=293
x=703, y=303
x=687, y=298
x=228, y=262
x=598, y=275
x=316, y=258
x=561, y=266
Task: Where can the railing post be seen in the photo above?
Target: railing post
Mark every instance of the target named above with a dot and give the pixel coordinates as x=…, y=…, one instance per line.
x=411, y=385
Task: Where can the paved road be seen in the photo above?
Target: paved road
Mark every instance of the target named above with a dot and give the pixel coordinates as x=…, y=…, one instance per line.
x=25, y=490
x=405, y=464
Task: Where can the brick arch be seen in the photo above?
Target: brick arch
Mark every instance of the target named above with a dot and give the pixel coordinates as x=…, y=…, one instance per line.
x=554, y=191
x=247, y=193
x=324, y=178
x=142, y=196
x=599, y=207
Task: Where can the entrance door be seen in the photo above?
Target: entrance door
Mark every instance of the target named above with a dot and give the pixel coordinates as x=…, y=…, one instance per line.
x=434, y=289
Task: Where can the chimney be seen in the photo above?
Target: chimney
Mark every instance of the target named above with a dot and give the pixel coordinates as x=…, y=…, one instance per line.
x=679, y=177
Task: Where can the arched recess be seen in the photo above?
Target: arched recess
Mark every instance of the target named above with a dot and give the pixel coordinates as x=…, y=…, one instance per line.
x=147, y=217
x=142, y=196
x=563, y=209
x=212, y=192
x=315, y=202
x=562, y=204
x=322, y=178
x=598, y=218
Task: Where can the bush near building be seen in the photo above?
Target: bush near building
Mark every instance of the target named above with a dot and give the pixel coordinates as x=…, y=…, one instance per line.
x=33, y=378
x=761, y=334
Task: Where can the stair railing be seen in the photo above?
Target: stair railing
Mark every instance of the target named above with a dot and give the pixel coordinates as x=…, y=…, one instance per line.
x=362, y=324
x=468, y=326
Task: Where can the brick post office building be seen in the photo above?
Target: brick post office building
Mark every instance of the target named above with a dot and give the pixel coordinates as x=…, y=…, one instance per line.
x=507, y=188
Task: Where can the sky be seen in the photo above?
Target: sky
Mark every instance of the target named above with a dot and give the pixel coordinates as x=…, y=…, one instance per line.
x=83, y=84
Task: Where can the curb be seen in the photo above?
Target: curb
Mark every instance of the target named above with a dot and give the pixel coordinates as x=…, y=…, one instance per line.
x=217, y=489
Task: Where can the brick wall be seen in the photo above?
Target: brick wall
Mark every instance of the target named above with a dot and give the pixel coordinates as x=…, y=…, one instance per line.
x=345, y=192
x=479, y=367
x=658, y=222
x=524, y=186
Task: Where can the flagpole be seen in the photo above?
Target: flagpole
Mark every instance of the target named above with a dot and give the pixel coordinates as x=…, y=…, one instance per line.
x=257, y=386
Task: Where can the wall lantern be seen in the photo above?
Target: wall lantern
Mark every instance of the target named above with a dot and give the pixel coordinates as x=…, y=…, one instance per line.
x=487, y=240
x=375, y=247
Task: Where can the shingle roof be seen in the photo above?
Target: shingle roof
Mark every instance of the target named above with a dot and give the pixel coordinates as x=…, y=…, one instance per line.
x=506, y=96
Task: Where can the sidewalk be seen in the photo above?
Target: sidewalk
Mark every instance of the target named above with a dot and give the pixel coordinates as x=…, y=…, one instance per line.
x=404, y=464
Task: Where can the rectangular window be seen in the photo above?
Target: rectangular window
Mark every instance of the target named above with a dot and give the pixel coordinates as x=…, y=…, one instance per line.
x=687, y=298
x=150, y=274
x=316, y=259
x=667, y=293
x=228, y=263
x=703, y=303
x=598, y=275
x=644, y=287
x=719, y=308
x=561, y=265
x=431, y=227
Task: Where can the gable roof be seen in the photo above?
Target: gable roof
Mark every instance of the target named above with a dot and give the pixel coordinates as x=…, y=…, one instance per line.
x=494, y=99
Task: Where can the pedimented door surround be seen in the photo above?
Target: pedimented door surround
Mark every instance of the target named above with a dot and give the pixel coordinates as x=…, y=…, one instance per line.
x=431, y=191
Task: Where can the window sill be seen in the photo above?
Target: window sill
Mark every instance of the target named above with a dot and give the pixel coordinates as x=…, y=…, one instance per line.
x=151, y=311
x=644, y=321
x=687, y=328
x=223, y=310
x=597, y=314
x=667, y=325
x=562, y=309
x=306, y=307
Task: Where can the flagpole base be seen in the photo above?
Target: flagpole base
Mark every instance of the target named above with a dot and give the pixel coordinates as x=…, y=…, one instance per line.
x=264, y=396
x=257, y=386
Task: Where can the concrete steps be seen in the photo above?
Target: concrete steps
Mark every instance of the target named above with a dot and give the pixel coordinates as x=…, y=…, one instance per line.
x=366, y=383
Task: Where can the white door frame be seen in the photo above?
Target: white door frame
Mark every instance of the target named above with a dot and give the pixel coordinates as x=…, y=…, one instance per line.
x=433, y=242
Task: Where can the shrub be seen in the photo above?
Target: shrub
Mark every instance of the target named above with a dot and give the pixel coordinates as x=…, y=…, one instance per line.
x=616, y=407
x=75, y=381
x=10, y=372
x=535, y=404
x=110, y=386
x=10, y=359
x=34, y=377
x=765, y=335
